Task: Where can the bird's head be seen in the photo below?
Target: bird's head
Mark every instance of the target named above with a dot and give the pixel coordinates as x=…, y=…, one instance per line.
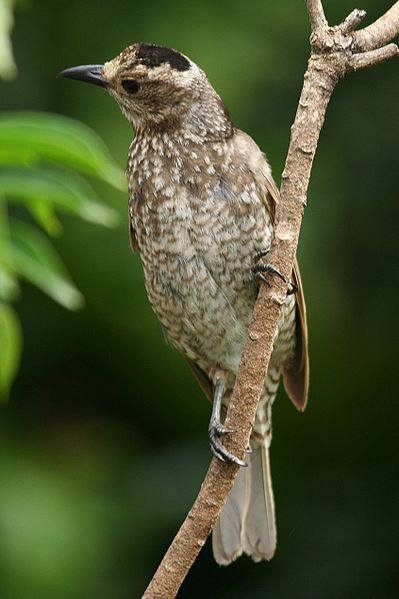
x=157, y=87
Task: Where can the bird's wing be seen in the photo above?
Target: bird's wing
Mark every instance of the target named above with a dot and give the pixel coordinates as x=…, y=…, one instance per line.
x=296, y=371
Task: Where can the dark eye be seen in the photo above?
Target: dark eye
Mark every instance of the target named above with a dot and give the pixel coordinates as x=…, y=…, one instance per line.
x=130, y=85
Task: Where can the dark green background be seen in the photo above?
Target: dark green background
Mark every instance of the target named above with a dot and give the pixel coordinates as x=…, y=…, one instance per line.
x=104, y=441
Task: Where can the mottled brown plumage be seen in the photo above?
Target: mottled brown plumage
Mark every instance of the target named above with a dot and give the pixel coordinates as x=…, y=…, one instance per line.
x=201, y=207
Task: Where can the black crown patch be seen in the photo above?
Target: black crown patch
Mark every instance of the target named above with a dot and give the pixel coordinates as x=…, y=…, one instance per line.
x=153, y=56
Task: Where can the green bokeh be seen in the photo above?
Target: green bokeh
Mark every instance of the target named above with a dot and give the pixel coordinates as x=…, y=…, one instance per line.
x=103, y=444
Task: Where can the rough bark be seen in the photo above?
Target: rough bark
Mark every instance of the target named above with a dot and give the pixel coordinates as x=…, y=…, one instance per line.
x=335, y=51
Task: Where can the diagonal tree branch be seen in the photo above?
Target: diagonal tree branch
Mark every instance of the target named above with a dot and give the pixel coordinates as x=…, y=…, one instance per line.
x=334, y=53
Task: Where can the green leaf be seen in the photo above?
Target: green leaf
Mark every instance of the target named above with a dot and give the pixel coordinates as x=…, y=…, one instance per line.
x=9, y=288
x=42, y=187
x=10, y=348
x=8, y=68
x=35, y=259
x=44, y=213
x=29, y=138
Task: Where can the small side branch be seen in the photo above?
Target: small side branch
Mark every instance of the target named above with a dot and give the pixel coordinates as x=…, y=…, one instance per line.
x=353, y=20
x=366, y=60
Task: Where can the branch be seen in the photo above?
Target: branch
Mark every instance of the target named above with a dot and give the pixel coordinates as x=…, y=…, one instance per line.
x=353, y=20
x=374, y=57
x=334, y=53
x=316, y=15
x=379, y=33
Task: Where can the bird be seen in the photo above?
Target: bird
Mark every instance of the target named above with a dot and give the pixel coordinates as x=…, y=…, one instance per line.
x=201, y=211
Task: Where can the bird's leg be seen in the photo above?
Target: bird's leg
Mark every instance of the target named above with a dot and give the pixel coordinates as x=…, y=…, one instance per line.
x=216, y=428
x=259, y=268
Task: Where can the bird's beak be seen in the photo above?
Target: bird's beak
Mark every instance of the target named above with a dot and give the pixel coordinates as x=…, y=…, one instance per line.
x=92, y=73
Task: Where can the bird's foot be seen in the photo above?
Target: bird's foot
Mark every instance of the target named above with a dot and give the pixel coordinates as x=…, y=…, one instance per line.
x=260, y=268
x=215, y=430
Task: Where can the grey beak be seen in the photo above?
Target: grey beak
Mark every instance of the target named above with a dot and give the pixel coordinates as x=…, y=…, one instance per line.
x=92, y=73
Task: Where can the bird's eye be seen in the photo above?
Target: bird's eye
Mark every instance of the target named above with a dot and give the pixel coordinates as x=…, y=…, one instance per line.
x=130, y=85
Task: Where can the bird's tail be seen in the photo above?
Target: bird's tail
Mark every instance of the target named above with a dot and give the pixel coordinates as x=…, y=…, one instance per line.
x=247, y=523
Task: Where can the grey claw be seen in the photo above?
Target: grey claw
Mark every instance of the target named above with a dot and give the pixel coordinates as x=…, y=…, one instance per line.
x=261, y=267
x=226, y=456
x=261, y=276
x=292, y=288
x=217, y=448
x=248, y=449
x=258, y=269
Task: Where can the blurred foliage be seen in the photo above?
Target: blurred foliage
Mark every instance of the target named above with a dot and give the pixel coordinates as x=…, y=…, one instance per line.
x=27, y=140
x=104, y=445
x=8, y=68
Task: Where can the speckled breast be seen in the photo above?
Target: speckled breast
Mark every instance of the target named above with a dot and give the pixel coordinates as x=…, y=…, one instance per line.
x=198, y=229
